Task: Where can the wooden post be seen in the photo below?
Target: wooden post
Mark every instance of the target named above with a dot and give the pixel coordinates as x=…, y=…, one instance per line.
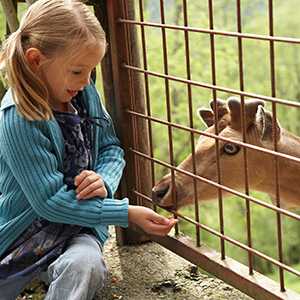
x=10, y=11
x=10, y=8
x=2, y=89
x=29, y=2
x=126, y=92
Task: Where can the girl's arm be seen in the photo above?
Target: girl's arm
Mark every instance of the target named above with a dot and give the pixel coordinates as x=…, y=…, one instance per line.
x=28, y=151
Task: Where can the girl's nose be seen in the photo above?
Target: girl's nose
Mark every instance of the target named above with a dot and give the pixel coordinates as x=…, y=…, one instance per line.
x=86, y=80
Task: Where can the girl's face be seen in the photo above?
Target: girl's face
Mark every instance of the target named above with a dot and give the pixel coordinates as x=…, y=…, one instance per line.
x=64, y=76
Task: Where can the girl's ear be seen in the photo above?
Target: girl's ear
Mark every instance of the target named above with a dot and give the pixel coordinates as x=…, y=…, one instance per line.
x=34, y=58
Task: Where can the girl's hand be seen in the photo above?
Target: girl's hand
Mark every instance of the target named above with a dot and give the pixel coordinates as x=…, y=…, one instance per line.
x=88, y=185
x=149, y=220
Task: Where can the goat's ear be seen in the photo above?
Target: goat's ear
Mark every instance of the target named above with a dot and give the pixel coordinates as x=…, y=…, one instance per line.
x=206, y=115
x=219, y=107
x=251, y=107
x=218, y=103
x=264, y=123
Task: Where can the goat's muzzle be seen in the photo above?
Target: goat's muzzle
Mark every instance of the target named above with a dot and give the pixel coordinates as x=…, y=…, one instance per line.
x=163, y=193
x=158, y=193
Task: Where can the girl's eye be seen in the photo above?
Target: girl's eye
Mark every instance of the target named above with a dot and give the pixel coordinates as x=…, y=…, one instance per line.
x=231, y=149
x=76, y=72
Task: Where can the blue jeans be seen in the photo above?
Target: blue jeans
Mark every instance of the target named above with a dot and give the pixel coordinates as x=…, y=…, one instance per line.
x=74, y=275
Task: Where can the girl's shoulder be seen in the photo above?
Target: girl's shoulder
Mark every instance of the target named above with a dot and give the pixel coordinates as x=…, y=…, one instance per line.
x=18, y=133
x=7, y=100
x=12, y=123
x=9, y=113
x=9, y=117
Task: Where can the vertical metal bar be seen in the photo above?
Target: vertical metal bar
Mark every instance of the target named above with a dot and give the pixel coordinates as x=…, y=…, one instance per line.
x=276, y=162
x=216, y=118
x=168, y=102
x=243, y=124
x=146, y=79
x=191, y=123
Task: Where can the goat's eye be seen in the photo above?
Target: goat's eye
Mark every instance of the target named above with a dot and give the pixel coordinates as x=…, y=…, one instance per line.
x=231, y=149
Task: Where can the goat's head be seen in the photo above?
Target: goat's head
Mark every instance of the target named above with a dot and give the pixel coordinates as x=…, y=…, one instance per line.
x=258, y=126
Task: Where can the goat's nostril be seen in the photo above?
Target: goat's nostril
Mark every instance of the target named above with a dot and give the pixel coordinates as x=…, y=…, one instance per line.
x=158, y=194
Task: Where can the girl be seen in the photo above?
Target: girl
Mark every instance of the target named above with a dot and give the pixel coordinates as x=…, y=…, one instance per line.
x=60, y=161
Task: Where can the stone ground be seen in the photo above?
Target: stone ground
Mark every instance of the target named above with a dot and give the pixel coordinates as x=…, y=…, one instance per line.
x=151, y=272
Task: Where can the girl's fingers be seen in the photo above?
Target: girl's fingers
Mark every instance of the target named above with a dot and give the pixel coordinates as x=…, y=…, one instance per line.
x=102, y=193
x=159, y=229
x=93, y=190
x=89, y=184
x=89, y=180
x=79, y=178
x=158, y=219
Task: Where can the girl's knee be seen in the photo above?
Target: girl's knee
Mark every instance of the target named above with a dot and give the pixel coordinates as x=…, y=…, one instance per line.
x=88, y=266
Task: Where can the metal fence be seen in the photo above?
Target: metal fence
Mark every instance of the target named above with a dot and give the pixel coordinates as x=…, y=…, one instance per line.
x=131, y=78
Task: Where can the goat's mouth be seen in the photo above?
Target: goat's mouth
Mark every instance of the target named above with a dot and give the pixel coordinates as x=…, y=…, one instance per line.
x=158, y=194
x=167, y=197
x=162, y=195
x=168, y=207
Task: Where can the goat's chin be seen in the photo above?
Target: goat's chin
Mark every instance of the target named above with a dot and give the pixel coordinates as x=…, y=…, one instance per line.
x=169, y=206
x=167, y=203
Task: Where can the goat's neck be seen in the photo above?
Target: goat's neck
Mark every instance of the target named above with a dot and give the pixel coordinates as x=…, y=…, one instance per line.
x=288, y=170
x=289, y=144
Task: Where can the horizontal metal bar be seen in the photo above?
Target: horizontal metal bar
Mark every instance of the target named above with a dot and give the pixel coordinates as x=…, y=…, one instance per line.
x=214, y=32
x=213, y=87
x=220, y=186
x=257, y=286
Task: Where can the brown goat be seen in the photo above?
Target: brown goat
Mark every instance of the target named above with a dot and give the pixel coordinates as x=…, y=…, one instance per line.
x=261, y=167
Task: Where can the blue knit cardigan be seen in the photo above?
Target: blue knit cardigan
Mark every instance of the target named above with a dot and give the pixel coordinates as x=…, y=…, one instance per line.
x=31, y=178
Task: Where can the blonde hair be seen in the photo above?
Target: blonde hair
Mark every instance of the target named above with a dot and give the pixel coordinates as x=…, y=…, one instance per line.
x=52, y=26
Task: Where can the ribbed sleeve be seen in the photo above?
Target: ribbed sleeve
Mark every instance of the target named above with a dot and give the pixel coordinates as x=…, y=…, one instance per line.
x=28, y=152
x=110, y=167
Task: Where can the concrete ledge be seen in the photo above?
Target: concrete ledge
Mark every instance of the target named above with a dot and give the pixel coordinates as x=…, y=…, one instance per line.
x=151, y=272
